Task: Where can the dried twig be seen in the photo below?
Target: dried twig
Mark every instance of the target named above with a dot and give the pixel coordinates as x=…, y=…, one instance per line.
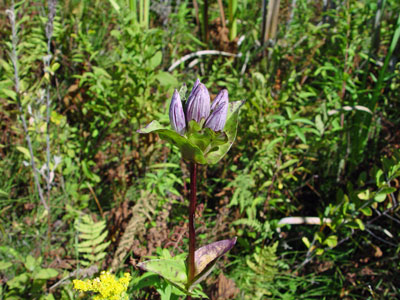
x=201, y=53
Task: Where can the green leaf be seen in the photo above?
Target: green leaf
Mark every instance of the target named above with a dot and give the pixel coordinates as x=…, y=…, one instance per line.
x=30, y=263
x=166, y=79
x=189, y=151
x=319, y=124
x=89, y=174
x=300, y=134
x=155, y=60
x=45, y=274
x=115, y=5
x=10, y=93
x=360, y=224
x=364, y=195
x=304, y=121
x=288, y=163
x=24, y=151
x=201, y=140
x=19, y=282
x=172, y=270
x=5, y=265
x=367, y=211
x=380, y=196
x=306, y=241
x=230, y=130
x=331, y=241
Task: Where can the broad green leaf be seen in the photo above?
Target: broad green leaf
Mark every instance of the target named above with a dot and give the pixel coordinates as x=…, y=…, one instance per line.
x=189, y=151
x=166, y=79
x=172, y=270
x=331, y=241
x=30, y=263
x=45, y=274
x=380, y=196
x=367, y=211
x=155, y=60
x=364, y=195
x=19, y=282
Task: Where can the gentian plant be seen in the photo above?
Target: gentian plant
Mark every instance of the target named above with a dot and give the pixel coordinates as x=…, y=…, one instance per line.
x=204, y=132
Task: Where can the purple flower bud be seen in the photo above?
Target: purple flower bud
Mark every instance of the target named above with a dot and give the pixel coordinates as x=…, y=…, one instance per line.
x=221, y=97
x=176, y=115
x=216, y=121
x=194, y=87
x=198, y=104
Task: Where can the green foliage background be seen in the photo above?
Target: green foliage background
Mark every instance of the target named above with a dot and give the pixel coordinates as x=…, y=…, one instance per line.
x=317, y=137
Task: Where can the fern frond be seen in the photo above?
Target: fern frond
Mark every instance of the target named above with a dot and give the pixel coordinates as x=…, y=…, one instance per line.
x=140, y=212
x=92, y=236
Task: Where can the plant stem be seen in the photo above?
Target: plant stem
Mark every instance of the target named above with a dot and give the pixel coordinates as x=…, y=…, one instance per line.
x=192, y=210
x=205, y=21
x=232, y=8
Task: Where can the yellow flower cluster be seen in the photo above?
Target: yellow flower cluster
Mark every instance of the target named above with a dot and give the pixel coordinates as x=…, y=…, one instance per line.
x=106, y=286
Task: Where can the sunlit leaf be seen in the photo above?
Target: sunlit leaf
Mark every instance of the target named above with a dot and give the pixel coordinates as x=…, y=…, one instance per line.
x=172, y=270
x=230, y=130
x=46, y=274
x=189, y=151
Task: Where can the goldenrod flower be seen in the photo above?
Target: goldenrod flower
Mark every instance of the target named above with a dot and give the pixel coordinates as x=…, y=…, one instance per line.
x=106, y=286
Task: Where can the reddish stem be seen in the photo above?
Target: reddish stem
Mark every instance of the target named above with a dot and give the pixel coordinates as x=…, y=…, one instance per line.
x=192, y=233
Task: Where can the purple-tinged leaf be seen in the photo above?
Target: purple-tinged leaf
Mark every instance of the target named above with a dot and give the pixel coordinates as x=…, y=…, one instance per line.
x=206, y=257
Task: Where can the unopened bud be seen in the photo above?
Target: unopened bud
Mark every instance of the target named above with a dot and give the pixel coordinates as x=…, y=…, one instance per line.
x=176, y=115
x=216, y=121
x=198, y=104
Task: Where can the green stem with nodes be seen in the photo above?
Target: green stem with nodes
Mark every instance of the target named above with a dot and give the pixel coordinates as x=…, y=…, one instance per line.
x=192, y=233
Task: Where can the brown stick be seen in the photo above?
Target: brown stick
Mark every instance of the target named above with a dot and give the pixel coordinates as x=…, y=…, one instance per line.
x=221, y=12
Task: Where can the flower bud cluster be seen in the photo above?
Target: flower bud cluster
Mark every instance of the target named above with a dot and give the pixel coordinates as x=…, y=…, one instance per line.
x=199, y=109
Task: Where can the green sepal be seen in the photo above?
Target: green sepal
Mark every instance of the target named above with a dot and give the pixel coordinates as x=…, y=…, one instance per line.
x=189, y=151
x=218, y=150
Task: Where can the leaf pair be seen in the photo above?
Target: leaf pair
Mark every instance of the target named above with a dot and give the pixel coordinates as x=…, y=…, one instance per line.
x=175, y=271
